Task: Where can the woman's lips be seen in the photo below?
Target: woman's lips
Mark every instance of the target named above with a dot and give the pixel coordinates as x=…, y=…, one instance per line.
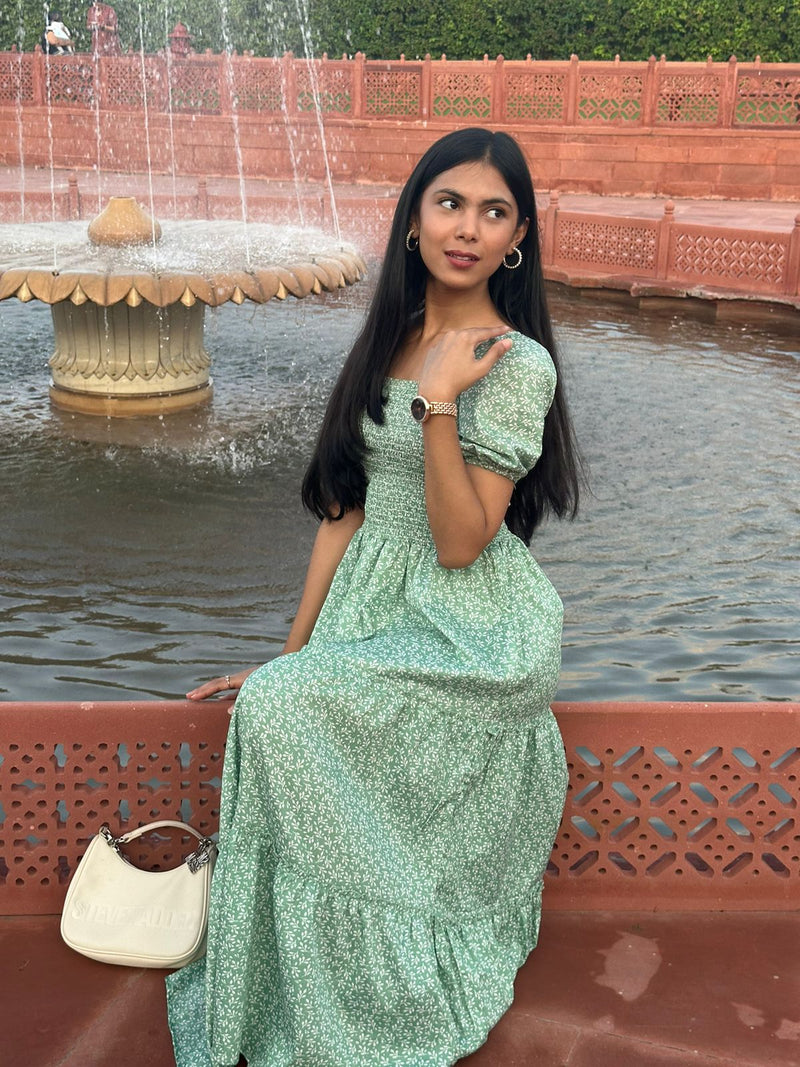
x=461, y=259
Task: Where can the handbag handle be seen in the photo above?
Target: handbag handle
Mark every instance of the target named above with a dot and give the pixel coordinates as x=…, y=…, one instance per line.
x=194, y=861
x=131, y=835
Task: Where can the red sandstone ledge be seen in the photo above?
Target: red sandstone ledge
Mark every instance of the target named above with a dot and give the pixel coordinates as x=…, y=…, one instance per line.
x=602, y=989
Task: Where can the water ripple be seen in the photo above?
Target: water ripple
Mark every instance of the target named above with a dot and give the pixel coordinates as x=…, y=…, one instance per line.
x=140, y=555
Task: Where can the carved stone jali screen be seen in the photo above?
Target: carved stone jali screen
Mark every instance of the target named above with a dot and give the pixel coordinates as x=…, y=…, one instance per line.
x=465, y=94
x=535, y=97
x=66, y=769
x=16, y=80
x=688, y=99
x=389, y=93
x=629, y=244
x=768, y=100
x=610, y=98
x=258, y=88
x=132, y=81
x=670, y=807
x=679, y=807
x=723, y=258
x=330, y=88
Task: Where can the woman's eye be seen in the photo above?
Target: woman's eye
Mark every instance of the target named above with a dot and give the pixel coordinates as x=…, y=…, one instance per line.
x=449, y=203
x=496, y=213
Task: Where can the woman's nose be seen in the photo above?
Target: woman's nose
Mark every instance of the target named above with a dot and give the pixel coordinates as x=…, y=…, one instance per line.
x=467, y=225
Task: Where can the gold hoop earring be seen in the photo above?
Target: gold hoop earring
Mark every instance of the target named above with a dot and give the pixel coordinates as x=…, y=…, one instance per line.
x=409, y=238
x=513, y=266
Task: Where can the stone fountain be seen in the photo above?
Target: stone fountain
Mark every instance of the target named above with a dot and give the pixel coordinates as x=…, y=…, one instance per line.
x=128, y=304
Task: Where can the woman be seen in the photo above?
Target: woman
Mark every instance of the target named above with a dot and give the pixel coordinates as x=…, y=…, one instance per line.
x=394, y=782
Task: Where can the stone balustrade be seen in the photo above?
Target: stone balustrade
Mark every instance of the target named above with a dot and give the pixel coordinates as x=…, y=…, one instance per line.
x=576, y=92
x=671, y=806
x=712, y=129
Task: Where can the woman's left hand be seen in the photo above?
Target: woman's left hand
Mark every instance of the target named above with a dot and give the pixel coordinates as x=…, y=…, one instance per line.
x=450, y=365
x=220, y=685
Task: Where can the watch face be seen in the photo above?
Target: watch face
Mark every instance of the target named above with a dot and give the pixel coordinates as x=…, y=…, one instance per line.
x=419, y=409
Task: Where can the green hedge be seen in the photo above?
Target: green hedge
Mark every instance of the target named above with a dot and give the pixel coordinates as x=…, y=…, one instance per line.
x=464, y=29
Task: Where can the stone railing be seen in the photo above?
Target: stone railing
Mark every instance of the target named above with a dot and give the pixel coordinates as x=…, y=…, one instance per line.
x=671, y=806
x=630, y=95
x=724, y=130
x=650, y=255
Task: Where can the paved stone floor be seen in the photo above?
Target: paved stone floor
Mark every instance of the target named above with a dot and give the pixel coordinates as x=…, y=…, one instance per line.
x=740, y=214
x=601, y=990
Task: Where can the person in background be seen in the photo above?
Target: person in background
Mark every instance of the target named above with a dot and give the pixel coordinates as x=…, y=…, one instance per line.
x=57, y=40
x=101, y=19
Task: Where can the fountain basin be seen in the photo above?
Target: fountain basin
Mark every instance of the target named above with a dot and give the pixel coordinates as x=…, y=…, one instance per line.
x=128, y=318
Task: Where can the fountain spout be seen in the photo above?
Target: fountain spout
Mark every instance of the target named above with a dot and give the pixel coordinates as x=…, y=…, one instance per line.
x=123, y=222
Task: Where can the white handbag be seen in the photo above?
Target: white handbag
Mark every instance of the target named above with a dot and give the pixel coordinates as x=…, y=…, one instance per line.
x=118, y=913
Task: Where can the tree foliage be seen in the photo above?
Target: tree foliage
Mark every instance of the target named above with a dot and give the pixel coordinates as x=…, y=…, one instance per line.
x=463, y=29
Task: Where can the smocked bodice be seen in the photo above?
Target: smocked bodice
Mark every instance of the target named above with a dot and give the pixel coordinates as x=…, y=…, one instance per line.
x=395, y=465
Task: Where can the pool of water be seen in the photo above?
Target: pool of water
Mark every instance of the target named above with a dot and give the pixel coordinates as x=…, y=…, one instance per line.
x=140, y=556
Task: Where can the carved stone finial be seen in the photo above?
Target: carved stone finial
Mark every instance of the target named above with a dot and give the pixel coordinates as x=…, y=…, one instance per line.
x=123, y=222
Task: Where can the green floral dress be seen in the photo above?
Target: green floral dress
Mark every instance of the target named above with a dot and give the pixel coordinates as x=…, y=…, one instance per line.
x=391, y=792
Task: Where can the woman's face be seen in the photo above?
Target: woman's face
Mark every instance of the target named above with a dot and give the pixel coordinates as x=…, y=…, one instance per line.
x=467, y=223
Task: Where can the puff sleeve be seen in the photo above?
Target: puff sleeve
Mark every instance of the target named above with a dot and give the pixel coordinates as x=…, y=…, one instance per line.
x=501, y=417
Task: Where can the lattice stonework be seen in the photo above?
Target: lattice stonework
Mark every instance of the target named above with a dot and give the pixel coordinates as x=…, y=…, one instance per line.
x=16, y=79
x=462, y=95
x=388, y=93
x=688, y=98
x=767, y=101
x=536, y=97
x=126, y=85
x=195, y=86
x=606, y=244
x=682, y=806
x=330, y=87
x=610, y=98
x=761, y=263
x=708, y=820
x=69, y=80
x=258, y=87
x=56, y=791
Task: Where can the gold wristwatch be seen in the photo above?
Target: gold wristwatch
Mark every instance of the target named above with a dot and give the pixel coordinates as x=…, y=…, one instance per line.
x=422, y=409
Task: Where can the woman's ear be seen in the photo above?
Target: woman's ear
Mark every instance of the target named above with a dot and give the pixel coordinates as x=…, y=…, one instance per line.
x=519, y=233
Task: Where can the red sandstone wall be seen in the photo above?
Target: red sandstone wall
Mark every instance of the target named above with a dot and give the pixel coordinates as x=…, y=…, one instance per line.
x=753, y=164
x=690, y=130
x=731, y=164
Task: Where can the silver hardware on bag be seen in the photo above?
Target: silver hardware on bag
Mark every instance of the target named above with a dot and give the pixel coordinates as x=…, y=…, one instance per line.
x=201, y=855
x=108, y=837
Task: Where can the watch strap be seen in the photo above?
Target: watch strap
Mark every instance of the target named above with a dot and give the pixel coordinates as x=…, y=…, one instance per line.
x=442, y=407
x=422, y=408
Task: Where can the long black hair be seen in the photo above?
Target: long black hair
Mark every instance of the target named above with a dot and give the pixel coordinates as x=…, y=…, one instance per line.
x=335, y=481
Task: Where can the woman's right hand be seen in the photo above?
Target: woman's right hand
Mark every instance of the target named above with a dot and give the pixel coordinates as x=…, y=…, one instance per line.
x=220, y=685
